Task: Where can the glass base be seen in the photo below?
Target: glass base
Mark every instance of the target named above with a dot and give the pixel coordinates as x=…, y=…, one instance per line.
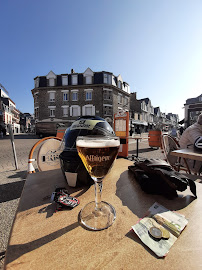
x=97, y=219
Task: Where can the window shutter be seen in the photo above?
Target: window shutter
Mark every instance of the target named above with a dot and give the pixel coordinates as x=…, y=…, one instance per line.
x=83, y=111
x=93, y=110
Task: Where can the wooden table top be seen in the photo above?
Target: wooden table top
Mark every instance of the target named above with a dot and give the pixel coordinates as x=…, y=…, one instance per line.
x=43, y=239
x=187, y=153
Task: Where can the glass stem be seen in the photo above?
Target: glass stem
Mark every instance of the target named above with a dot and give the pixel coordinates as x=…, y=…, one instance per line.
x=98, y=194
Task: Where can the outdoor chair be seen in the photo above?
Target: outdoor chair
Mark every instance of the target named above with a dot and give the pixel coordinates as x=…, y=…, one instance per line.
x=169, y=144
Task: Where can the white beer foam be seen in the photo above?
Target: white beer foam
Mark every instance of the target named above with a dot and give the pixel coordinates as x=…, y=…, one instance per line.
x=101, y=143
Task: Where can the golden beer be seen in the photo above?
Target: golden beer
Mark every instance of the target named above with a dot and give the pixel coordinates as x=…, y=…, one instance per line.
x=98, y=155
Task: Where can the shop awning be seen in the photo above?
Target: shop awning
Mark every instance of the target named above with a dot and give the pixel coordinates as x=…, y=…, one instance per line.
x=138, y=122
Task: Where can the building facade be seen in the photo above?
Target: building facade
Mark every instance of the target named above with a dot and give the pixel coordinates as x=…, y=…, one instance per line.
x=193, y=107
x=9, y=115
x=63, y=98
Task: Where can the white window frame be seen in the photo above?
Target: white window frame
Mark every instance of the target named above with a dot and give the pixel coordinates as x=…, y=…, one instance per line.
x=64, y=80
x=65, y=110
x=51, y=111
x=85, y=107
x=51, y=82
x=74, y=79
x=51, y=93
x=88, y=80
x=106, y=78
x=88, y=94
x=78, y=110
x=74, y=92
x=65, y=93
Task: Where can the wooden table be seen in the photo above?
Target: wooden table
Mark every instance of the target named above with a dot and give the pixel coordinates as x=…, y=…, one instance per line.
x=187, y=153
x=43, y=239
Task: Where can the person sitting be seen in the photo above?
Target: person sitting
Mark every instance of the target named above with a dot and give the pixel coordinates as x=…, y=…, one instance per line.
x=174, y=132
x=188, y=139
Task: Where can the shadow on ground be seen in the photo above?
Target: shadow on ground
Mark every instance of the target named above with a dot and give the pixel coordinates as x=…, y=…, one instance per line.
x=13, y=190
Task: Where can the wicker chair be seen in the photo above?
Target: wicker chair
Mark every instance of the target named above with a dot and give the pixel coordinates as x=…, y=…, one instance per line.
x=169, y=144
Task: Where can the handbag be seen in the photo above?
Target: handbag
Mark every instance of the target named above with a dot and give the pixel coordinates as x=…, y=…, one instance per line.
x=156, y=176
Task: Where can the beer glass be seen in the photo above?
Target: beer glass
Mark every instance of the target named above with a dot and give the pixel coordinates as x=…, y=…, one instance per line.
x=98, y=154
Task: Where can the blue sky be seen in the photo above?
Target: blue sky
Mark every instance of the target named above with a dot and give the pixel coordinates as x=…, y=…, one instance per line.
x=156, y=45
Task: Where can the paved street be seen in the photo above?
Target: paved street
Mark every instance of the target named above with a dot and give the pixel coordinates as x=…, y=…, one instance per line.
x=12, y=180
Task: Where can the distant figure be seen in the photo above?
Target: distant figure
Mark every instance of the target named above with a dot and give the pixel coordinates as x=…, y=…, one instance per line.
x=138, y=130
x=1, y=134
x=181, y=130
x=173, y=132
x=188, y=139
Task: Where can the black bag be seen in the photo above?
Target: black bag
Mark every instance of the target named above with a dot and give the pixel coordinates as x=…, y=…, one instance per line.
x=156, y=176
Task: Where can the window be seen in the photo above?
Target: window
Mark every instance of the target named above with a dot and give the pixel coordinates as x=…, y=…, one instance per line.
x=65, y=95
x=108, y=110
x=35, y=97
x=119, y=84
x=36, y=82
x=126, y=102
x=88, y=79
x=200, y=99
x=51, y=82
x=65, y=110
x=74, y=79
x=36, y=112
x=64, y=80
x=88, y=110
x=88, y=94
x=75, y=110
x=51, y=96
x=107, y=78
x=120, y=99
x=107, y=94
x=51, y=111
x=74, y=95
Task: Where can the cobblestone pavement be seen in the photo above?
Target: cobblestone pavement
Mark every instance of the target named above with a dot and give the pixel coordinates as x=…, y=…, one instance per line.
x=12, y=180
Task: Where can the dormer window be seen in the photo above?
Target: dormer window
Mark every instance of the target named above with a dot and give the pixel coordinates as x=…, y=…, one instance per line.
x=88, y=76
x=51, y=78
x=64, y=80
x=106, y=78
x=74, y=79
x=51, y=82
x=88, y=80
x=36, y=82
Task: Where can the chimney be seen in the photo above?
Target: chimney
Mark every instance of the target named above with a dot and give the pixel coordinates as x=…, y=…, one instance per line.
x=72, y=70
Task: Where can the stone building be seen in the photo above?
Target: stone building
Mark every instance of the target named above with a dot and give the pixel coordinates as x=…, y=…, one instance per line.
x=63, y=98
x=9, y=115
x=193, y=107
